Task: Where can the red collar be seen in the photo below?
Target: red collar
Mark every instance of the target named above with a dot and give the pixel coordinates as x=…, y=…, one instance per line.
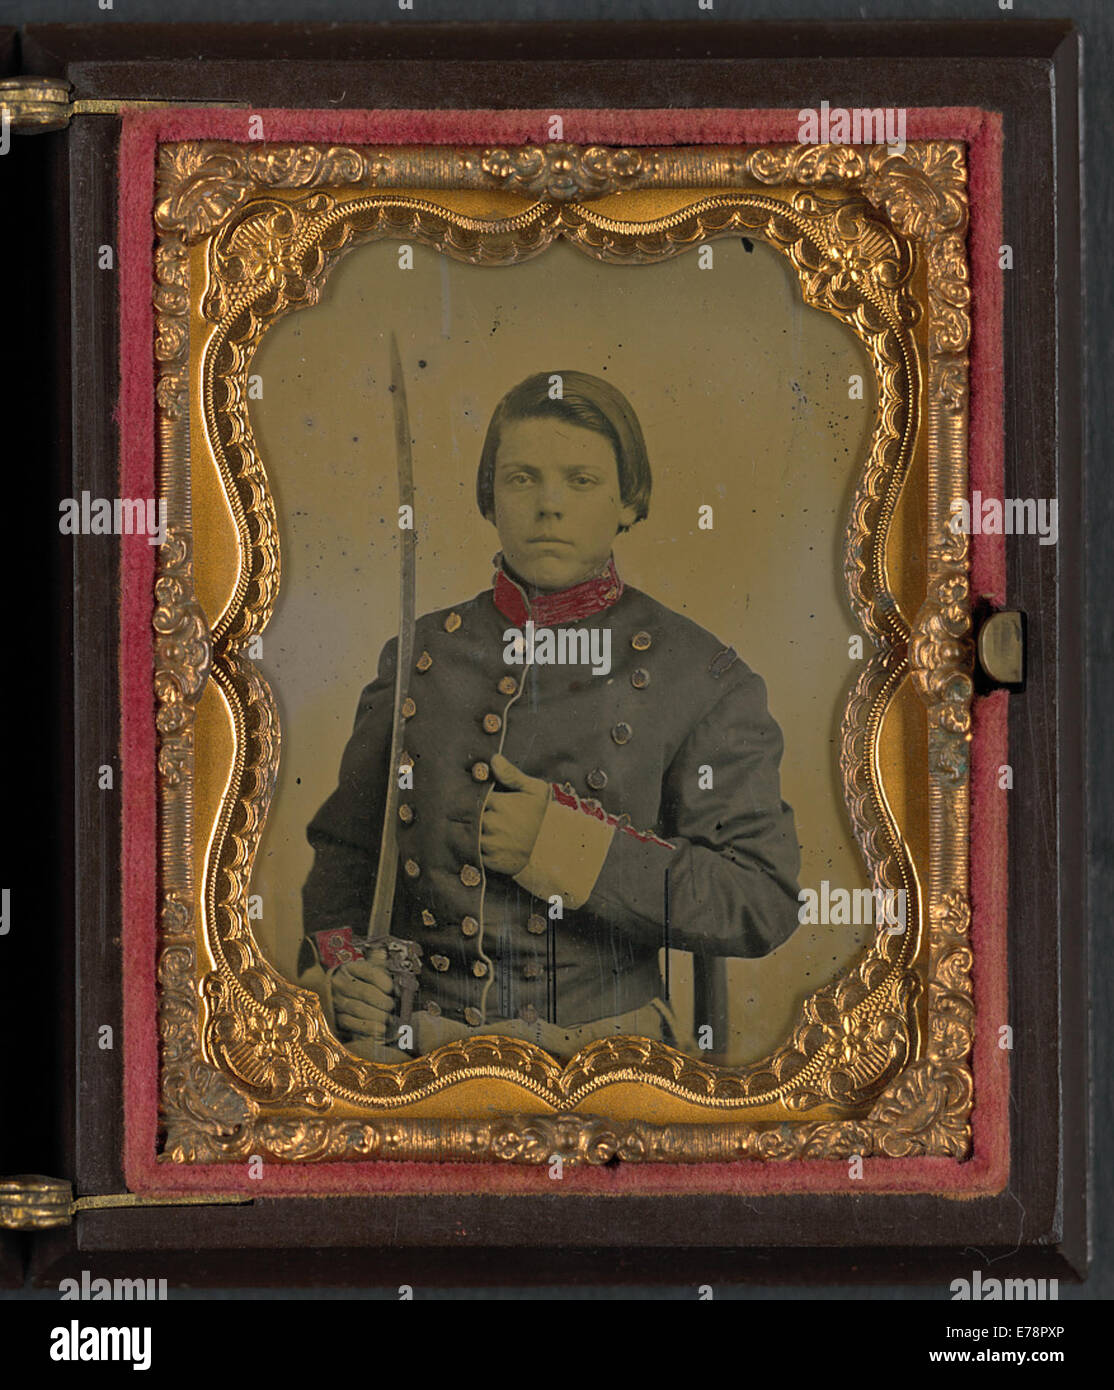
x=566, y=606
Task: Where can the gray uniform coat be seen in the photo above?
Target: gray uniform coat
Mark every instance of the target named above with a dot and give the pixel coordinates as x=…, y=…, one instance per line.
x=676, y=740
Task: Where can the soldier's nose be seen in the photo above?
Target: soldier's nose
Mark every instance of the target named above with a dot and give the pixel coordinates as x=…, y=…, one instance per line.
x=551, y=500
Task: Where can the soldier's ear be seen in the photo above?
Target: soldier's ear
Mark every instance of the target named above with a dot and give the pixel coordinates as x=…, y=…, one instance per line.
x=627, y=517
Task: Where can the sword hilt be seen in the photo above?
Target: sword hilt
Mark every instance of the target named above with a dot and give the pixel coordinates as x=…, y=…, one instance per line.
x=404, y=964
x=339, y=945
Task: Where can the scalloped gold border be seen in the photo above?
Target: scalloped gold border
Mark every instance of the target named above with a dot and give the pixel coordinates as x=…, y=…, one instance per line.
x=240, y=1075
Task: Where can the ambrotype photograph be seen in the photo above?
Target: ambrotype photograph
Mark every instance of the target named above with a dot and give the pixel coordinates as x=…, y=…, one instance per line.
x=527, y=788
x=630, y=491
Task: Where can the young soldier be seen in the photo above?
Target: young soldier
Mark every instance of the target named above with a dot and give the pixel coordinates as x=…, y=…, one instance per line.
x=560, y=823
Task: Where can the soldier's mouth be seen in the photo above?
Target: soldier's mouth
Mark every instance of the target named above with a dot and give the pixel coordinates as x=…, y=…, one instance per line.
x=547, y=540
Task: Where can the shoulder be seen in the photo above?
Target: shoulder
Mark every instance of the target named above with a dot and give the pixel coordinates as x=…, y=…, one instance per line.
x=679, y=643
x=699, y=680
x=702, y=682
x=469, y=616
x=473, y=617
x=459, y=617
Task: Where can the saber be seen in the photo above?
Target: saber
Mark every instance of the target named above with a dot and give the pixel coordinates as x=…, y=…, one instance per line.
x=386, y=875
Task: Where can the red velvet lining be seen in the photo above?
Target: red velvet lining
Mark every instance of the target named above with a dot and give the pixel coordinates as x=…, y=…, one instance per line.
x=988, y=1168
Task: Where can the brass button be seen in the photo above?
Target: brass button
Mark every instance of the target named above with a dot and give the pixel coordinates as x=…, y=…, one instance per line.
x=413, y=868
x=424, y=662
x=597, y=779
x=480, y=772
x=621, y=733
x=535, y=924
x=405, y=762
x=452, y=622
x=406, y=813
x=640, y=679
x=508, y=685
x=433, y=1008
x=641, y=641
x=409, y=708
x=470, y=876
x=528, y=1014
x=473, y=1016
x=439, y=963
x=531, y=971
x=479, y=969
x=469, y=926
x=428, y=918
x=492, y=723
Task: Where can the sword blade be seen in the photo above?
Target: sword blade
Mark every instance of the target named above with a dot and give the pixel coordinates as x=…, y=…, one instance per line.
x=387, y=870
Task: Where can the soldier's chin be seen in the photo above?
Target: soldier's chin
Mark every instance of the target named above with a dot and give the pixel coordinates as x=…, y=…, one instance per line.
x=551, y=571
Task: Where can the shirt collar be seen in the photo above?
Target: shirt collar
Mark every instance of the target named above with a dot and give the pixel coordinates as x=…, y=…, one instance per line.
x=582, y=600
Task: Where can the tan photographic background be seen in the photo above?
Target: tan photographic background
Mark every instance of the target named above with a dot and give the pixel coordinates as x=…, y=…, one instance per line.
x=742, y=393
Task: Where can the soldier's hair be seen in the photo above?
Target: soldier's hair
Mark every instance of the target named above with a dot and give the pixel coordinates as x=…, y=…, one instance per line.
x=584, y=400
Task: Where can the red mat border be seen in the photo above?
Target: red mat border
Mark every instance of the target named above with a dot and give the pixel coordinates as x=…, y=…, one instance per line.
x=987, y=1170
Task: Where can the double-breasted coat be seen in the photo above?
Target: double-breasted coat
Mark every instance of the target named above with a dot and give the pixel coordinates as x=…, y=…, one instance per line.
x=672, y=752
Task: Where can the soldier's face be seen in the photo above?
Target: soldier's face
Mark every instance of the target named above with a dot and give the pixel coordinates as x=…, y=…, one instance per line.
x=557, y=502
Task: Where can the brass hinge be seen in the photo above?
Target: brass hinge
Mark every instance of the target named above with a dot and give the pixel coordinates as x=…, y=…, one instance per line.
x=30, y=1202
x=33, y=105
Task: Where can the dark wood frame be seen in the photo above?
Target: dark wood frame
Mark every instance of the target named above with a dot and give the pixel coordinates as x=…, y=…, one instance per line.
x=1028, y=71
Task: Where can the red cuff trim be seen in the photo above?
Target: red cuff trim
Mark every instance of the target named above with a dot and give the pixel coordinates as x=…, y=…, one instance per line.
x=596, y=811
x=336, y=947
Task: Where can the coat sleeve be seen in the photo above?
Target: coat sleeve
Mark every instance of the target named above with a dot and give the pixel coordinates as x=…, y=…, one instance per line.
x=728, y=885
x=345, y=832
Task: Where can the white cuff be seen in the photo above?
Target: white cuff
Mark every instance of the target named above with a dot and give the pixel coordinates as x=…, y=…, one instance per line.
x=568, y=855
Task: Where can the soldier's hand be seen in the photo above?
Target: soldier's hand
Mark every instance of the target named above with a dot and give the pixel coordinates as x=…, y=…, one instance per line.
x=512, y=818
x=363, y=996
